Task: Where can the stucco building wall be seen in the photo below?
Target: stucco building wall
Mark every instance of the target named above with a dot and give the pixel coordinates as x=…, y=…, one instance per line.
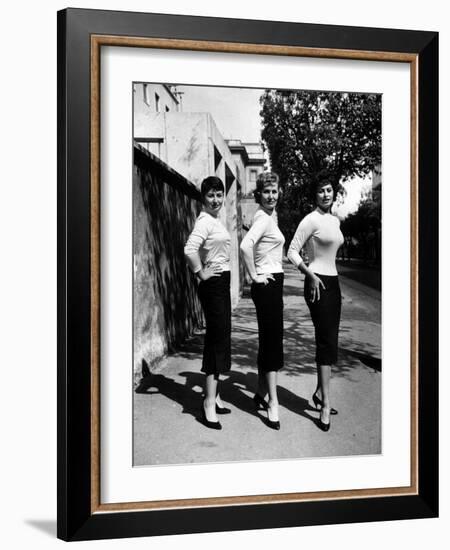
x=196, y=149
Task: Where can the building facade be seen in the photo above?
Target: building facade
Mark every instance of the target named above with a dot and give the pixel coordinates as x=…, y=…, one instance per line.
x=250, y=160
x=191, y=146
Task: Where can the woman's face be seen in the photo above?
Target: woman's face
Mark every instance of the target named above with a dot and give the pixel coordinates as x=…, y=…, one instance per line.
x=213, y=201
x=269, y=196
x=324, y=197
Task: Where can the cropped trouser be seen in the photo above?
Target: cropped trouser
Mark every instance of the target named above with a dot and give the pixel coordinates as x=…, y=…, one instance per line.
x=214, y=294
x=326, y=315
x=268, y=300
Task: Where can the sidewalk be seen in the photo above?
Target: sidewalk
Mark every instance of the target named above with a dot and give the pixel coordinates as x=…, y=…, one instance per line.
x=166, y=430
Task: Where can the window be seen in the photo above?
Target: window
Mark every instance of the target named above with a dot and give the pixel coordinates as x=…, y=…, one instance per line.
x=253, y=175
x=167, y=109
x=217, y=159
x=145, y=91
x=156, y=102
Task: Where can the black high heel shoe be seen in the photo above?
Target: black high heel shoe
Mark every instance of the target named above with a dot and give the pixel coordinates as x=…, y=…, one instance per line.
x=260, y=402
x=274, y=424
x=324, y=427
x=222, y=410
x=208, y=423
x=318, y=402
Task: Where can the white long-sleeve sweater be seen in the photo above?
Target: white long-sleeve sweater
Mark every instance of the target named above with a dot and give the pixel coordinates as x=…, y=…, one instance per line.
x=208, y=244
x=320, y=234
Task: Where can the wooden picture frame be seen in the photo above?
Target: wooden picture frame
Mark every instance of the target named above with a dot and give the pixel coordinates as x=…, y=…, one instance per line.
x=81, y=35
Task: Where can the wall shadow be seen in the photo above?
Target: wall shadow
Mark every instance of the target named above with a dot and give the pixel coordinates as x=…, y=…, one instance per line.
x=47, y=526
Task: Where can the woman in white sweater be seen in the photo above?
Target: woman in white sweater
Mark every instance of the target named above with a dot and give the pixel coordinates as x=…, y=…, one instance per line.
x=207, y=252
x=262, y=251
x=320, y=234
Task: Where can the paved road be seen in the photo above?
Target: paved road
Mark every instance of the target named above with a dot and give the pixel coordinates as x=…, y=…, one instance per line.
x=166, y=430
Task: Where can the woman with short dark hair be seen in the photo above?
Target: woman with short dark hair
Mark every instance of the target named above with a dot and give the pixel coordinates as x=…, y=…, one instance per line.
x=208, y=255
x=320, y=234
x=262, y=251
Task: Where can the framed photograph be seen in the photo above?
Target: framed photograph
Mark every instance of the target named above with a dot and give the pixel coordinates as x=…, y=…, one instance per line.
x=247, y=274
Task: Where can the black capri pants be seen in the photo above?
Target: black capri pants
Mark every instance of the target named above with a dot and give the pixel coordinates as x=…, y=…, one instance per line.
x=268, y=300
x=214, y=294
x=326, y=316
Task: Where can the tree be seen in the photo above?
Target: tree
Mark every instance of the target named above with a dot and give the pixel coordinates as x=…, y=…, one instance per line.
x=310, y=135
x=364, y=227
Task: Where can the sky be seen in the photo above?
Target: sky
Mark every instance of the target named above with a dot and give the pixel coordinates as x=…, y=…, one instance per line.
x=236, y=114
x=354, y=189
x=234, y=110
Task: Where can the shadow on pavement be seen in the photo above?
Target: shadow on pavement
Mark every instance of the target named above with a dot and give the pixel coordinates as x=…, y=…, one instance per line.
x=189, y=399
x=232, y=387
x=366, y=359
x=299, y=346
x=357, y=346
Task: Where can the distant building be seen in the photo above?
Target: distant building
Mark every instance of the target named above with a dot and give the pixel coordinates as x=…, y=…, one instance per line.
x=249, y=158
x=192, y=145
x=174, y=151
x=151, y=102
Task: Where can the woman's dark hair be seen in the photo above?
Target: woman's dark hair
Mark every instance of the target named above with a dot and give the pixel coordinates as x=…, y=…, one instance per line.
x=211, y=182
x=321, y=182
x=265, y=178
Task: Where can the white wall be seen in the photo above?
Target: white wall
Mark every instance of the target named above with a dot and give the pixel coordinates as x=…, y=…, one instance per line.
x=28, y=275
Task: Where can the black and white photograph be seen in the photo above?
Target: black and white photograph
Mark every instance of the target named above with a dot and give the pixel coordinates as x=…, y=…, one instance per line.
x=224, y=294
x=257, y=252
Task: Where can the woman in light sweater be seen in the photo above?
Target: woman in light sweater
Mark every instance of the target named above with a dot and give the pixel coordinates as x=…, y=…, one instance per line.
x=262, y=250
x=208, y=255
x=319, y=233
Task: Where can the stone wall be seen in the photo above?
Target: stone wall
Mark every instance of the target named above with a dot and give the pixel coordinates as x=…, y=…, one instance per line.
x=166, y=307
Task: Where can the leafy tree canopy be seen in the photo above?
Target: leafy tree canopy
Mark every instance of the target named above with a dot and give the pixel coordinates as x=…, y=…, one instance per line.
x=313, y=135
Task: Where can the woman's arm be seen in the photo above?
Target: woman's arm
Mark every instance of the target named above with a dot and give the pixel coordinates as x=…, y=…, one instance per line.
x=191, y=252
x=304, y=231
x=248, y=243
x=316, y=282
